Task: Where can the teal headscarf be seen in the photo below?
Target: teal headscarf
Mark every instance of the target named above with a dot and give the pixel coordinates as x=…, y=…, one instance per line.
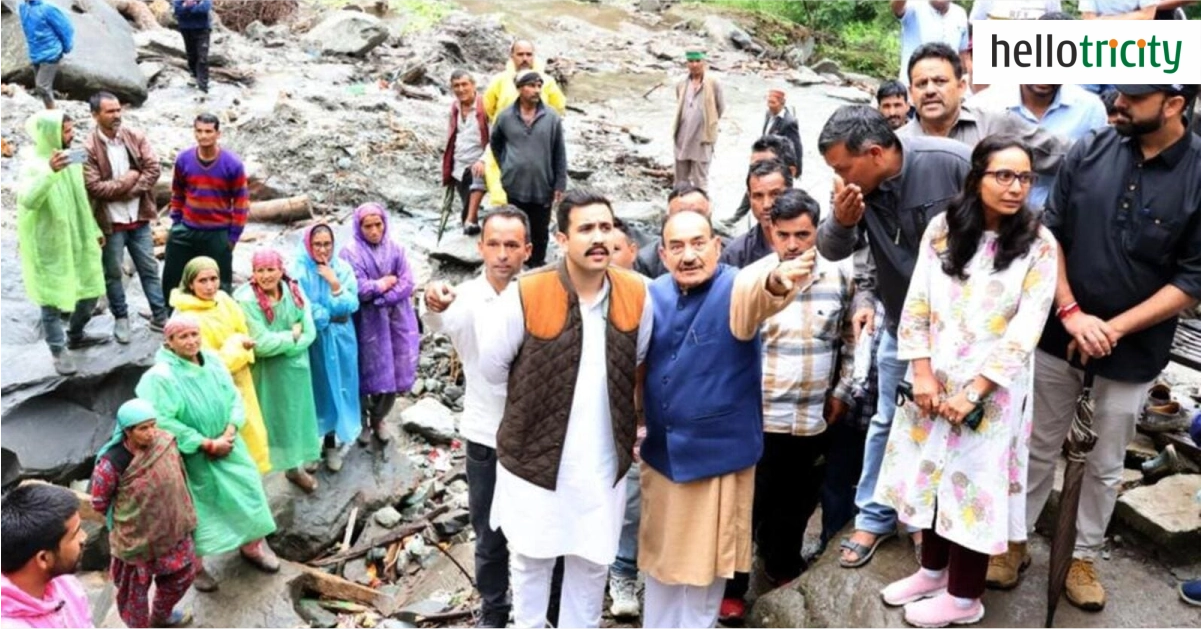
x=131, y=413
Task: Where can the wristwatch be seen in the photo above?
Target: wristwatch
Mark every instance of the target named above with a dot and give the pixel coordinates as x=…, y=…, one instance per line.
x=974, y=396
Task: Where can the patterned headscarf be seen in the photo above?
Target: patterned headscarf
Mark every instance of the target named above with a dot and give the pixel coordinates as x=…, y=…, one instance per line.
x=193, y=268
x=180, y=322
x=271, y=257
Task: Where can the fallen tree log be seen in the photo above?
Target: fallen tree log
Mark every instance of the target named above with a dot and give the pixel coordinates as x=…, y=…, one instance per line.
x=281, y=210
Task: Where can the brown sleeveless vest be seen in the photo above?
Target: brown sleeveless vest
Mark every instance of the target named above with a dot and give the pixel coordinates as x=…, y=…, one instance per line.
x=542, y=378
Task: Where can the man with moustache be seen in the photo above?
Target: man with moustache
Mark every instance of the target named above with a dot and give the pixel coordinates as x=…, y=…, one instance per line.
x=684, y=197
x=459, y=313
x=765, y=182
x=1120, y=212
x=892, y=99
x=886, y=190
x=119, y=175
x=937, y=86
x=704, y=432
x=529, y=144
x=806, y=389
x=567, y=342
x=466, y=142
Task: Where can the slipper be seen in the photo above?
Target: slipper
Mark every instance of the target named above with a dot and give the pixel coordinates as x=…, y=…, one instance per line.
x=865, y=552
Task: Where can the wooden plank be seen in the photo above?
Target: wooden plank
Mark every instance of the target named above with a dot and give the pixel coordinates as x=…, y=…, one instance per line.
x=335, y=587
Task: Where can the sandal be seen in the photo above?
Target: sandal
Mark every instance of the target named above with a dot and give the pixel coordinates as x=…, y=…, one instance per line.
x=865, y=552
x=263, y=557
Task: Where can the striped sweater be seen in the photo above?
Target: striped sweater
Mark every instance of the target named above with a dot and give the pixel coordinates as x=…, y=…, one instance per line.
x=210, y=198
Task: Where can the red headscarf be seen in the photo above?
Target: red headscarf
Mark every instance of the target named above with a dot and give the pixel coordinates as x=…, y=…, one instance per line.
x=271, y=257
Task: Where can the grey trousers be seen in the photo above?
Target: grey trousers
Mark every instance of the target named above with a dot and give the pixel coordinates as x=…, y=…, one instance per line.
x=693, y=172
x=1056, y=386
x=43, y=82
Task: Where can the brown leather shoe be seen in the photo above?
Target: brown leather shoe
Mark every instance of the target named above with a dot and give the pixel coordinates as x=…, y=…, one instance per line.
x=302, y=479
x=1005, y=570
x=1083, y=588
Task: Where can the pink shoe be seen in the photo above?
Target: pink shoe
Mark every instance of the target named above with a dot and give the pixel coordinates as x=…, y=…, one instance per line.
x=914, y=587
x=941, y=611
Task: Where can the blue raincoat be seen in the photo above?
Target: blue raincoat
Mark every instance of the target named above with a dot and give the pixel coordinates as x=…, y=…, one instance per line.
x=334, y=356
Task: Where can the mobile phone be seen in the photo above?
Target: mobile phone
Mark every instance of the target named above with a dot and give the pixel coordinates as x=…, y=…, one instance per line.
x=77, y=156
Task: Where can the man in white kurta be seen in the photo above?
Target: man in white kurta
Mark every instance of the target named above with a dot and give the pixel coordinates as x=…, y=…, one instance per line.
x=581, y=518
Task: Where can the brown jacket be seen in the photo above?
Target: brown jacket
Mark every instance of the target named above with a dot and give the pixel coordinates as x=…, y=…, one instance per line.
x=102, y=188
x=542, y=378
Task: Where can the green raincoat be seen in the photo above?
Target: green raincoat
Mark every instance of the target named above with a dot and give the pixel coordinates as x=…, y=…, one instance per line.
x=59, y=240
x=282, y=377
x=194, y=403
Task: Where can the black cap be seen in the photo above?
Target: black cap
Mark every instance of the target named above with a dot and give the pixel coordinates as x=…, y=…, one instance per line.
x=528, y=78
x=1186, y=90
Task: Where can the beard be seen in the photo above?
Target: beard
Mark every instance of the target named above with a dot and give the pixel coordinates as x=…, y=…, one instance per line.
x=1135, y=128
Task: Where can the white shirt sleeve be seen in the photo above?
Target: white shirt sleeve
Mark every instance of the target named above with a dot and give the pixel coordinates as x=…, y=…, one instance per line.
x=501, y=337
x=645, y=327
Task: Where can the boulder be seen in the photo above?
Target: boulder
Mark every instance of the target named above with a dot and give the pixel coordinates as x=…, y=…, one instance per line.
x=650, y=6
x=720, y=31
x=457, y=247
x=309, y=524
x=347, y=33
x=826, y=66
x=103, y=58
x=800, y=51
x=1165, y=514
x=803, y=76
x=649, y=213
x=430, y=419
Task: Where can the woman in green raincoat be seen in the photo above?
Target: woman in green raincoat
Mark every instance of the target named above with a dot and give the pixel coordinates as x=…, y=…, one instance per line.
x=281, y=322
x=59, y=242
x=197, y=402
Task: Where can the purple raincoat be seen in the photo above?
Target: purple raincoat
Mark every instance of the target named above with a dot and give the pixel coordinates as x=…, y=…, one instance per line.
x=389, y=341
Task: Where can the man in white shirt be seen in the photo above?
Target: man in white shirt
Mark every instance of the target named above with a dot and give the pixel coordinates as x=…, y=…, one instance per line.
x=567, y=342
x=457, y=312
x=926, y=21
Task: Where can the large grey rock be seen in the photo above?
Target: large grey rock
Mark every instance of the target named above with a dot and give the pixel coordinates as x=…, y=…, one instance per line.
x=457, y=247
x=805, y=76
x=1165, y=514
x=649, y=213
x=430, y=419
x=720, y=30
x=308, y=524
x=249, y=597
x=832, y=596
x=347, y=33
x=103, y=56
x=826, y=66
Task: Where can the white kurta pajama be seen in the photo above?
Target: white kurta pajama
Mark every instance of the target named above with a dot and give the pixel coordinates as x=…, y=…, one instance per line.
x=582, y=518
x=987, y=325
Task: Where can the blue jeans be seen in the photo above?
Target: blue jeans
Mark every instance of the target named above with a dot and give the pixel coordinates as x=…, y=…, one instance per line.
x=874, y=517
x=626, y=564
x=52, y=323
x=140, y=245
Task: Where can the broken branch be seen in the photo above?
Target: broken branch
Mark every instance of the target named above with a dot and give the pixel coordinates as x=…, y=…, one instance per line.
x=395, y=535
x=286, y=210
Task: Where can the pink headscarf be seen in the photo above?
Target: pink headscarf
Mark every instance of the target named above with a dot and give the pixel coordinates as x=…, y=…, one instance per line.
x=271, y=257
x=180, y=322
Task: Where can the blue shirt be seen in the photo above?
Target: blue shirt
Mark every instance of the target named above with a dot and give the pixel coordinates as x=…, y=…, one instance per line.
x=1073, y=113
x=48, y=33
x=921, y=24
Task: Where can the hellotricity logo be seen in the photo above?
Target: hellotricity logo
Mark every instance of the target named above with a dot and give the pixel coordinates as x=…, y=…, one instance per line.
x=1104, y=52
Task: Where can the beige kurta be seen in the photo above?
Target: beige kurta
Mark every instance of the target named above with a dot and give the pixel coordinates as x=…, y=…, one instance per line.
x=692, y=533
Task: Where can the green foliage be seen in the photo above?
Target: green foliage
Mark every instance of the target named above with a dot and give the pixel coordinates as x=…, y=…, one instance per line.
x=419, y=15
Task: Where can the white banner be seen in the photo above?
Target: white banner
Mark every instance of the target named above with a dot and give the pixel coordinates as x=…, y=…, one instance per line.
x=1086, y=51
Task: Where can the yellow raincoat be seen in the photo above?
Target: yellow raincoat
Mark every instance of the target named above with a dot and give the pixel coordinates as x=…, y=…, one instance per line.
x=502, y=92
x=222, y=329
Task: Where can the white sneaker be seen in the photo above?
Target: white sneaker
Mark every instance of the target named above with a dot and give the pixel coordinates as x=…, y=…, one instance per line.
x=624, y=592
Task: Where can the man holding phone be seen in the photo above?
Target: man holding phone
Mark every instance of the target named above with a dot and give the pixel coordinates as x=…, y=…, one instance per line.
x=59, y=242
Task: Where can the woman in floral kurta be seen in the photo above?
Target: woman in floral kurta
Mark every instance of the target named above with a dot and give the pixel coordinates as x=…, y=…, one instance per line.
x=968, y=326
